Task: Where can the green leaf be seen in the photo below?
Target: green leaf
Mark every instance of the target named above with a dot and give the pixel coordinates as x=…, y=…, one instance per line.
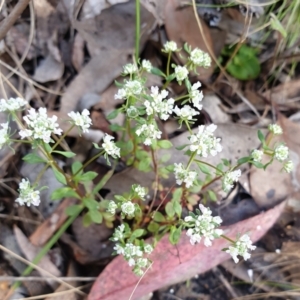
x=33, y=158
x=204, y=169
x=174, y=235
x=73, y=210
x=95, y=216
x=86, y=220
x=144, y=165
x=118, y=84
x=64, y=192
x=90, y=203
x=59, y=177
x=76, y=166
x=137, y=233
x=177, y=208
x=243, y=160
x=170, y=210
x=212, y=195
x=261, y=136
x=276, y=25
x=171, y=77
x=258, y=164
x=181, y=147
x=103, y=181
x=116, y=127
x=158, y=217
x=97, y=146
x=164, y=144
x=177, y=194
x=226, y=162
x=158, y=72
x=113, y=114
x=141, y=154
x=153, y=227
x=120, y=198
x=165, y=157
x=67, y=154
x=88, y=176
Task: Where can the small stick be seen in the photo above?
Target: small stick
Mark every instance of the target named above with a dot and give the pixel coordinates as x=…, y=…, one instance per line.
x=9, y=21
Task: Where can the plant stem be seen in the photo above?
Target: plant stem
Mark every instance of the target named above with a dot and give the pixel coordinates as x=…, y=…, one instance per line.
x=137, y=29
x=168, y=63
x=181, y=97
x=62, y=137
x=208, y=164
x=227, y=238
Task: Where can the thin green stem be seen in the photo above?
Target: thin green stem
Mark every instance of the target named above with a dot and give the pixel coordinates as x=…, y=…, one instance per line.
x=137, y=29
x=182, y=97
x=188, y=126
x=166, y=84
x=62, y=137
x=227, y=238
x=208, y=164
x=191, y=160
x=88, y=162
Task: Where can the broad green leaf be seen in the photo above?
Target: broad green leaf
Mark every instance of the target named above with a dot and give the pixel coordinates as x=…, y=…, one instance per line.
x=158, y=217
x=113, y=114
x=257, y=164
x=153, y=227
x=138, y=233
x=95, y=216
x=144, y=165
x=261, y=136
x=76, y=166
x=86, y=220
x=157, y=72
x=116, y=127
x=90, y=203
x=67, y=154
x=177, y=208
x=174, y=235
x=204, y=169
x=88, y=176
x=243, y=160
x=33, y=158
x=64, y=192
x=59, y=176
x=170, y=210
x=212, y=195
x=181, y=147
x=177, y=194
x=164, y=144
x=73, y=210
x=96, y=146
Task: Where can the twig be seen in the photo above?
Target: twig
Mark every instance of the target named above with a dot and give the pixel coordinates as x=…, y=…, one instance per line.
x=36, y=278
x=9, y=21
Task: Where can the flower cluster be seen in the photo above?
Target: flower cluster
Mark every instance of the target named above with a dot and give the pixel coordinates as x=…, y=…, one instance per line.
x=256, y=155
x=200, y=58
x=129, y=69
x=133, y=254
x=204, y=142
x=196, y=95
x=40, y=127
x=281, y=153
x=241, y=247
x=148, y=132
x=169, y=47
x=110, y=147
x=184, y=175
x=28, y=195
x=4, y=135
x=275, y=129
x=146, y=65
x=12, y=104
x=186, y=113
x=140, y=191
x=288, y=166
x=81, y=120
x=229, y=178
x=131, y=88
x=163, y=108
x=203, y=225
x=181, y=73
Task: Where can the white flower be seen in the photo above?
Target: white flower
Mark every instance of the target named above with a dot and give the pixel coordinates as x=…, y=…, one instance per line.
x=163, y=108
x=148, y=248
x=119, y=249
x=181, y=73
x=275, y=129
x=129, y=69
x=140, y=191
x=170, y=47
x=146, y=65
x=40, y=126
x=204, y=142
x=112, y=206
x=288, y=166
x=186, y=113
x=132, y=87
x=241, y=247
x=196, y=95
x=12, y=104
x=257, y=155
x=229, y=178
x=4, y=136
x=148, y=132
x=204, y=225
x=110, y=147
x=119, y=233
x=183, y=175
x=132, y=112
x=128, y=208
x=200, y=58
x=281, y=153
x=131, y=251
x=28, y=195
x=81, y=120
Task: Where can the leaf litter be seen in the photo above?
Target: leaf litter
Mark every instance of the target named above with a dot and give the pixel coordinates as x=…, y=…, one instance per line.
x=78, y=50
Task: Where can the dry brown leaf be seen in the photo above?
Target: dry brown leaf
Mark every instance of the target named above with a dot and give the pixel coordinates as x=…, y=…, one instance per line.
x=78, y=52
x=30, y=251
x=182, y=27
